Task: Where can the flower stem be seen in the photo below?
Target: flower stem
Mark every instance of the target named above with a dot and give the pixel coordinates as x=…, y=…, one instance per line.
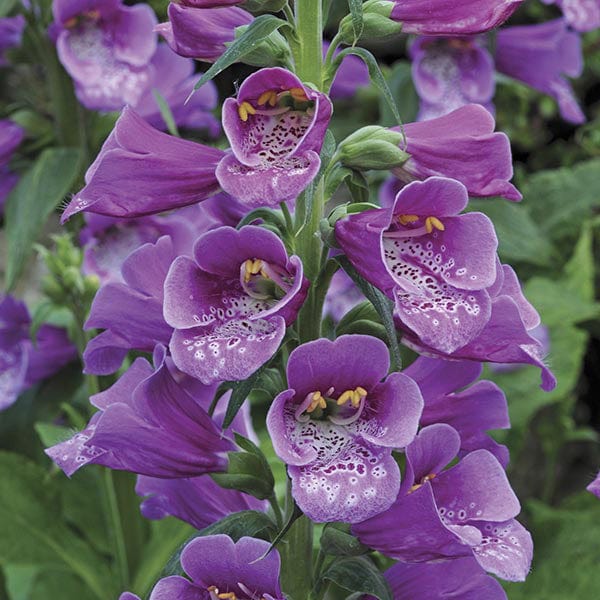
x=309, y=53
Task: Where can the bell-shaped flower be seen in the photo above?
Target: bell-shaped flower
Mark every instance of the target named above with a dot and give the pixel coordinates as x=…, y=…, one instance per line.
x=106, y=47
x=141, y=171
x=541, y=56
x=11, y=135
x=434, y=262
x=230, y=306
x=337, y=424
x=467, y=510
x=11, y=32
x=276, y=127
x=581, y=15
x=461, y=145
x=149, y=423
x=594, y=487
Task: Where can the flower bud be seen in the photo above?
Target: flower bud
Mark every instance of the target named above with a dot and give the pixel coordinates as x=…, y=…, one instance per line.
x=272, y=51
x=376, y=22
x=372, y=147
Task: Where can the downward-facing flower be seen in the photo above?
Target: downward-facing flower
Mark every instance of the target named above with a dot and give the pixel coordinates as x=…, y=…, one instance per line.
x=434, y=263
x=466, y=510
x=582, y=15
x=443, y=17
x=275, y=127
x=461, y=145
x=457, y=579
x=541, y=56
x=451, y=72
x=140, y=171
x=594, y=487
x=337, y=425
x=11, y=135
x=23, y=362
x=479, y=406
x=219, y=569
x=11, y=32
x=230, y=305
x=149, y=424
x=106, y=47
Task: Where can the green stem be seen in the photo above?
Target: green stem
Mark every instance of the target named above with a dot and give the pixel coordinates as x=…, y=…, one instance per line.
x=308, y=54
x=296, y=551
x=276, y=510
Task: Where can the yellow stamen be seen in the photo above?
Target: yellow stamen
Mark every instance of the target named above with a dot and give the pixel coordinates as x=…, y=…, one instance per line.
x=362, y=391
x=257, y=265
x=406, y=219
x=298, y=94
x=347, y=395
x=269, y=96
x=71, y=23
x=425, y=479
x=227, y=596
x=432, y=223
x=245, y=109
x=248, y=270
x=354, y=396
x=317, y=401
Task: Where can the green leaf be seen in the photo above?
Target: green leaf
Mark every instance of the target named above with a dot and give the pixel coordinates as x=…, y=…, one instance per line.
x=376, y=77
x=20, y=580
x=401, y=84
x=363, y=311
x=338, y=541
x=166, y=113
x=256, y=33
x=359, y=574
x=382, y=304
x=31, y=202
x=240, y=391
x=267, y=215
x=356, y=10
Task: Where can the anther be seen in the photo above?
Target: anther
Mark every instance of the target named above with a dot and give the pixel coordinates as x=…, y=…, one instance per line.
x=432, y=223
x=269, y=96
x=317, y=401
x=298, y=94
x=406, y=219
x=245, y=109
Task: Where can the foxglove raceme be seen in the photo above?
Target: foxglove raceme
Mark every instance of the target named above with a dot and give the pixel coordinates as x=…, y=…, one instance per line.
x=541, y=56
x=461, y=145
x=141, y=171
x=581, y=15
x=11, y=31
x=106, y=47
x=218, y=568
x=231, y=305
x=465, y=511
x=275, y=127
x=11, y=135
x=337, y=425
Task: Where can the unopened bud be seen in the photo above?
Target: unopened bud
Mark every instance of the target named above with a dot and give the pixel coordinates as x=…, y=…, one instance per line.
x=372, y=147
x=272, y=51
x=376, y=22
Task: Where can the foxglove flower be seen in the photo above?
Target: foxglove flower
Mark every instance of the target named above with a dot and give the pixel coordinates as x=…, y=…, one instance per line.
x=201, y=33
x=337, y=425
x=441, y=17
x=461, y=145
x=149, y=424
x=106, y=47
x=434, y=263
x=128, y=179
x=231, y=305
x=451, y=72
x=11, y=31
x=594, y=487
x=11, y=135
x=473, y=411
x=541, y=56
x=275, y=127
x=465, y=511
x=342, y=296
x=218, y=568
x=23, y=363
x=581, y=15
x=457, y=579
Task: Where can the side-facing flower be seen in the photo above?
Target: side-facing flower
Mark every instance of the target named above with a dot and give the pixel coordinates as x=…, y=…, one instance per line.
x=275, y=127
x=594, y=487
x=541, y=56
x=11, y=31
x=106, y=47
x=434, y=262
x=230, y=305
x=337, y=425
x=464, y=146
x=451, y=72
x=11, y=135
x=141, y=171
x=441, y=17
x=581, y=15
x=452, y=395
x=466, y=510
x=219, y=569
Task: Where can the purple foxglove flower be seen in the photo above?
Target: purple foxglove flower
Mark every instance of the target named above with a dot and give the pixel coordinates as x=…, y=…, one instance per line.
x=140, y=171
x=582, y=15
x=434, y=263
x=506, y=338
x=224, y=209
x=11, y=135
x=276, y=128
x=473, y=412
x=219, y=568
x=594, y=487
x=106, y=47
x=342, y=296
x=201, y=33
x=231, y=305
x=130, y=312
x=540, y=56
x=441, y=17
x=451, y=72
x=148, y=423
x=337, y=425
x=23, y=363
x=461, y=145
x=539, y=333
x=173, y=77
x=11, y=31
x=467, y=510
x=457, y=579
